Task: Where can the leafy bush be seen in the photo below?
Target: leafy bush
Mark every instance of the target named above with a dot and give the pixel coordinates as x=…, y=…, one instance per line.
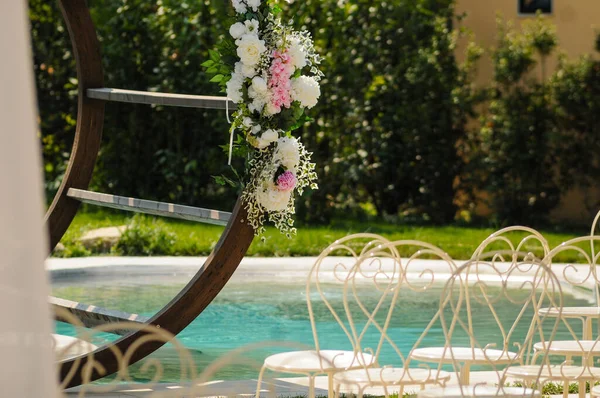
x=55, y=76
x=515, y=159
x=576, y=90
x=387, y=125
x=145, y=237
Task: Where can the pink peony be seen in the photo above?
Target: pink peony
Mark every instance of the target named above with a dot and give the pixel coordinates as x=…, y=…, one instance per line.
x=286, y=181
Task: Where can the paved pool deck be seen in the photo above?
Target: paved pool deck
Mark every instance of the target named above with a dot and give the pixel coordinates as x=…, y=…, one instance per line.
x=282, y=388
x=293, y=270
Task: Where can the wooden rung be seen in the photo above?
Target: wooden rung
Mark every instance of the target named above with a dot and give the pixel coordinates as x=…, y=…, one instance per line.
x=92, y=316
x=147, y=97
x=151, y=207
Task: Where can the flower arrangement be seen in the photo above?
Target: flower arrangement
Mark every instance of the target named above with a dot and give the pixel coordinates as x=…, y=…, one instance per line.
x=270, y=71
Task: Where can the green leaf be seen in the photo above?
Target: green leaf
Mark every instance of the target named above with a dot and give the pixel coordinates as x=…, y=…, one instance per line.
x=212, y=70
x=216, y=79
x=219, y=180
x=214, y=55
x=208, y=64
x=276, y=9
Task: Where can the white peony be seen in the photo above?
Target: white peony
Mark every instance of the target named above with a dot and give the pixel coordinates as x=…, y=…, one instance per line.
x=250, y=48
x=240, y=6
x=287, y=152
x=271, y=198
x=259, y=85
x=259, y=93
x=254, y=4
x=237, y=30
x=257, y=105
x=306, y=90
x=234, y=88
x=251, y=27
x=248, y=71
x=297, y=53
x=270, y=135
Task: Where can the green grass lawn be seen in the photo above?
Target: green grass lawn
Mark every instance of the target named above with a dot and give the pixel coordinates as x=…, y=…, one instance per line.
x=171, y=237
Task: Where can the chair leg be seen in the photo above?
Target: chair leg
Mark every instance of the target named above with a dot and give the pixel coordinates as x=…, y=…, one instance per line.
x=260, y=377
x=311, y=386
x=582, y=386
x=361, y=392
x=336, y=391
x=330, y=391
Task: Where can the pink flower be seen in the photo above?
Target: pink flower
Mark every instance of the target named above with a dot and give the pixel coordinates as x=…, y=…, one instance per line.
x=286, y=181
x=279, y=82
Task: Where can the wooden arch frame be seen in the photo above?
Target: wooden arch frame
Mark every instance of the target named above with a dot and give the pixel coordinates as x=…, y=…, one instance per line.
x=208, y=281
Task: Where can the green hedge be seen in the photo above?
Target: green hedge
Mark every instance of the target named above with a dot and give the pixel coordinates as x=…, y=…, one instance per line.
x=390, y=136
x=386, y=127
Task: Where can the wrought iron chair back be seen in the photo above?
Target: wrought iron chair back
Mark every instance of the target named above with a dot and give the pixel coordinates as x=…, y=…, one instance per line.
x=327, y=280
x=388, y=269
x=480, y=286
x=577, y=276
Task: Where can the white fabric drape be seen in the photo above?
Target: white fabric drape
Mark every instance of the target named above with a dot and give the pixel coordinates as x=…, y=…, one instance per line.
x=26, y=355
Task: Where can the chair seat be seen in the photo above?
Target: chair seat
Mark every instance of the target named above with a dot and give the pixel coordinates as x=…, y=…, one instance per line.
x=553, y=372
x=462, y=354
x=570, y=347
x=479, y=391
x=66, y=347
x=390, y=376
x=310, y=361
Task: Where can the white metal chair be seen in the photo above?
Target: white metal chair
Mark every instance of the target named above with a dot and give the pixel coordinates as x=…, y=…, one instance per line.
x=470, y=294
x=371, y=272
x=498, y=258
x=327, y=274
x=585, y=347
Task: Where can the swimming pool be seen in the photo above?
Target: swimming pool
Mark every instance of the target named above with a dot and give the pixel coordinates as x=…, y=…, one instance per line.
x=249, y=311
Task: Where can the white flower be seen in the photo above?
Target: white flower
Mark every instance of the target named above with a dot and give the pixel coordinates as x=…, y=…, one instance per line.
x=251, y=27
x=256, y=129
x=259, y=85
x=259, y=93
x=306, y=90
x=254, y=4
x=237, y=30
x=247, y=122
x=287, y=152
x=270, y=135
x=250, y=48
x=248, y=71
x=271, y=198
x=234, y=88
x=271, y=109
x=297, y=53
x=240, y=6
x=257, y=105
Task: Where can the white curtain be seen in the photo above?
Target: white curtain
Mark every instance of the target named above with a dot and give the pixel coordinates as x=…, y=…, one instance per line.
x=26, y=355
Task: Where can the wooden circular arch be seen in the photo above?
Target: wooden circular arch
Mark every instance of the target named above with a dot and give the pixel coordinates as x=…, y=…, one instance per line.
x=208, y=281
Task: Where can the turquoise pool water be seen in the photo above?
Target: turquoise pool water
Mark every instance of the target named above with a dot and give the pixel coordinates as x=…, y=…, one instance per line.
x=250, y=312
